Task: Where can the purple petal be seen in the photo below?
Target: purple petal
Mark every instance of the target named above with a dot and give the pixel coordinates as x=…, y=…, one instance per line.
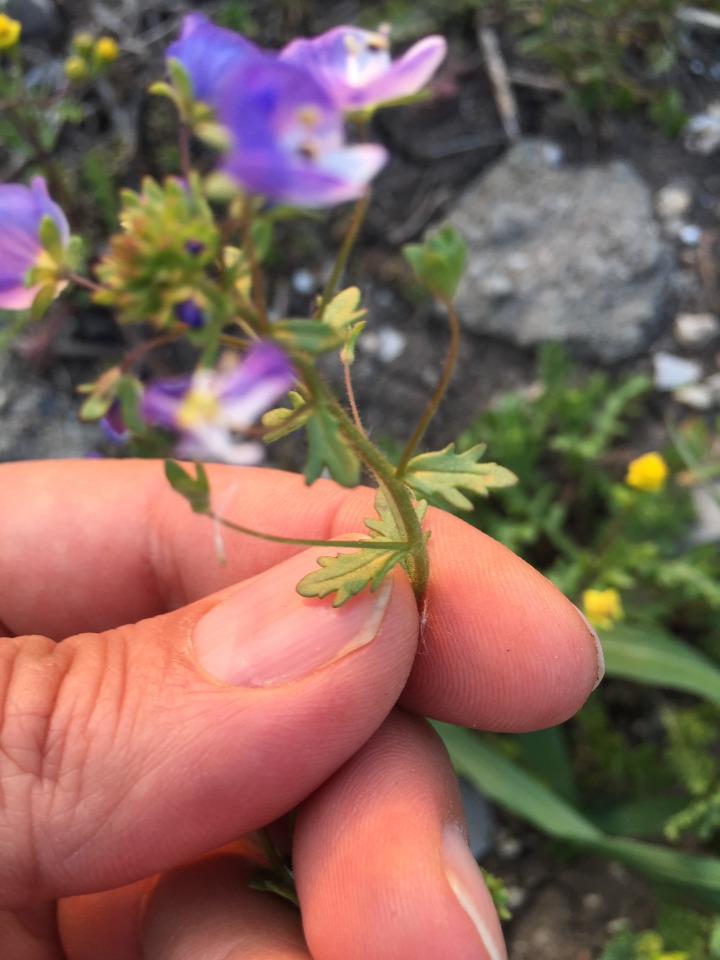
x=410, y=73
x=355, y=67
x=190, y=312
x=258, y=381
x=162, y=399
x=208, y=53
x=216, y=443
x=21, y=210
x=289, y=137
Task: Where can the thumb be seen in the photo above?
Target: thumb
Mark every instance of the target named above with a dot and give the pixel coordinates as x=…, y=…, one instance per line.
x=126, y=752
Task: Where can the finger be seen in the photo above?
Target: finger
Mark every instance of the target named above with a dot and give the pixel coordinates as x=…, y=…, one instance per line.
x=207, y=910
x=380, y=858
x=109, y=541
x=127, y=752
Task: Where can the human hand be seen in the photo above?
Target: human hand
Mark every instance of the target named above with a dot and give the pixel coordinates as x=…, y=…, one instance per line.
x=182, y=711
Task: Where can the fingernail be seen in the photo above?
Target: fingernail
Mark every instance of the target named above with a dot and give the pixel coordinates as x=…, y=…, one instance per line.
x=598, y=648
x=267, y=635
x=467, y=884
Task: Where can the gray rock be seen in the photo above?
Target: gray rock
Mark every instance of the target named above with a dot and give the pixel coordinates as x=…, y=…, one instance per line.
x=39, y=18
x=561, y=253
x=36, y=422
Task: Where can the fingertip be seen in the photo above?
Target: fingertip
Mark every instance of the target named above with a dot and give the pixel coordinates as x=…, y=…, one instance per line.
x=501, y=648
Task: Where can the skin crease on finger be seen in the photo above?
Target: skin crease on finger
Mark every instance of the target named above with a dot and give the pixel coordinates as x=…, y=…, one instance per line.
x=501, y=648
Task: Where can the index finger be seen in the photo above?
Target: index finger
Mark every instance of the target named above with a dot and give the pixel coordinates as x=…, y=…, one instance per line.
x=90, y=545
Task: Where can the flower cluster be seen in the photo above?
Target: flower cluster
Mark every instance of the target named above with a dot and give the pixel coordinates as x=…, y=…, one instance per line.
x=279, y=118
x=284, y=111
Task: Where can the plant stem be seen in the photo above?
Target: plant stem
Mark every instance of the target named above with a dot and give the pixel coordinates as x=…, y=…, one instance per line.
x=286, y=881
x=349, y=390
x=439, y=392
x=258, y=282
x=303, y=541
x=342, y=258
x=398, y=496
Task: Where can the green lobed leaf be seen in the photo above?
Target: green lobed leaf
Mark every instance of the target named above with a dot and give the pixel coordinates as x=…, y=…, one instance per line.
x=440, y=476
x=282, y=421
x=650, y=656
x=344, y=309
x=328, y=449
x=439, y=262
x=346, y=574
x=196, y=490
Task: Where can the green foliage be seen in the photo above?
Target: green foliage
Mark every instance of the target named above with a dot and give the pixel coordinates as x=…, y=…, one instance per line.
x=680, y=934
x=613, y=55
x=440, y=477
x=346, y=574
x=439, y=262
x=195, y=489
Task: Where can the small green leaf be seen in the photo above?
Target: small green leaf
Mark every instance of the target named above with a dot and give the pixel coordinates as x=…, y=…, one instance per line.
x=196, y=490
x=311, y=336
x=95, y=407
x=282, y=420
x=181, y=80
x=344, y=309
x=385, y=525
x=346, y=574
x=440, y=476
x=347, y=354
x=439, y=262
x=130, y=393
x=43, y=300
x=328, y=448
x=50, y=238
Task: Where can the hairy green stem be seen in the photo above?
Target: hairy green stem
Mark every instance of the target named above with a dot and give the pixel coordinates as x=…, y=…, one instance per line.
x=398, y=496
x=439, y=392
x=303, y=541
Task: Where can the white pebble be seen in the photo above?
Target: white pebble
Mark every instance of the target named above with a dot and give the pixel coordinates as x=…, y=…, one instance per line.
x=672, y=372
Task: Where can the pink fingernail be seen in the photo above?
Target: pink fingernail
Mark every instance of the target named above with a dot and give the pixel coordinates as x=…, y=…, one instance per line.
x=266, y=634
x=467, y=884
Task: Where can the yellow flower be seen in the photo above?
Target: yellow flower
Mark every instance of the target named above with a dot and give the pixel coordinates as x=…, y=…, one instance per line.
x=106, y=50
x=648, y=472
x=9, y=31
x=602, y=607
x=83, y=43
x=76, y=68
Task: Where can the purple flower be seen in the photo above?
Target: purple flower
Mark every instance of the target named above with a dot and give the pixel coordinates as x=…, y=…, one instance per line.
x=190, y=312
x=21, y=212
x=355, y=67
x=208, y=52
x=211, y=407
x=288, y=137
x=113, y=424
